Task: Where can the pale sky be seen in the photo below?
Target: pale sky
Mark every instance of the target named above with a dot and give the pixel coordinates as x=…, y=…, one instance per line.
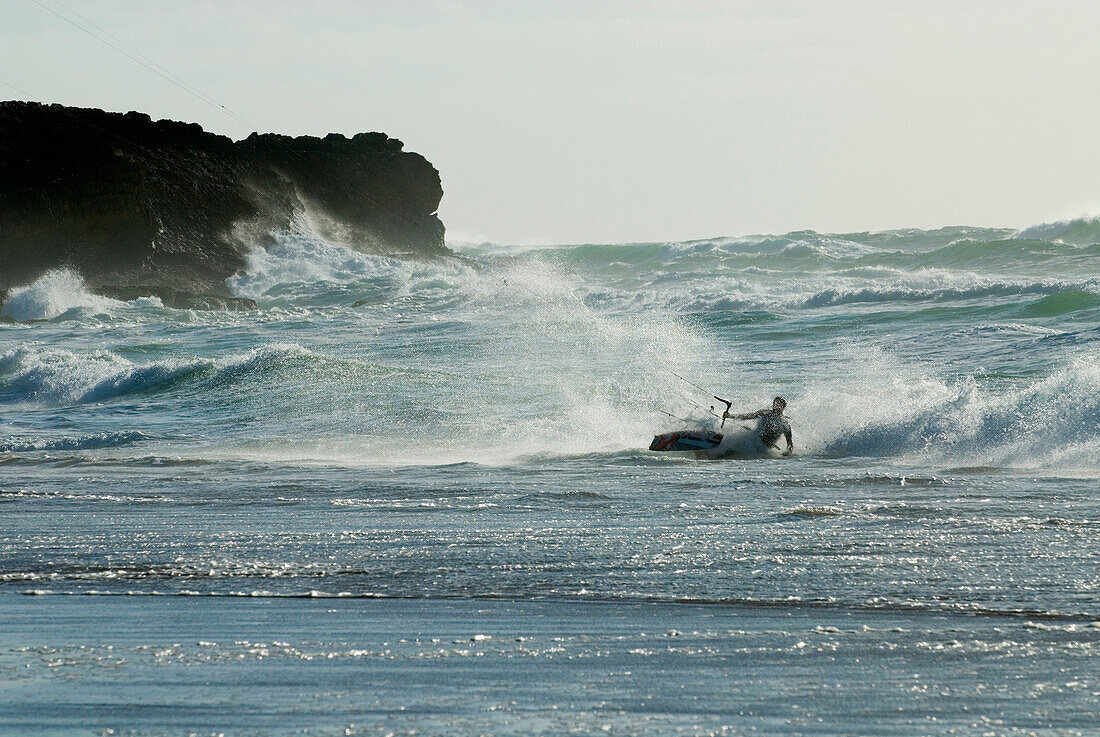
x=611, y=121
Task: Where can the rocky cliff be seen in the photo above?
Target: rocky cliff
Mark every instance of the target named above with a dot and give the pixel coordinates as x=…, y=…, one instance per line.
x=128, y=201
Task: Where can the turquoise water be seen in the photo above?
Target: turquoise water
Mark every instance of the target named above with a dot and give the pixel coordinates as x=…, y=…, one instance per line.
x=474, y=429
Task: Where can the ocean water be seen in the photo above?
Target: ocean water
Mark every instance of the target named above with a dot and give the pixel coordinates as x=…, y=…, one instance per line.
x=415, y=497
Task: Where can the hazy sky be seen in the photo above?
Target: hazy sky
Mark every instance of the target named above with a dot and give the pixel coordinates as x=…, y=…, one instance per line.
x=614, y=121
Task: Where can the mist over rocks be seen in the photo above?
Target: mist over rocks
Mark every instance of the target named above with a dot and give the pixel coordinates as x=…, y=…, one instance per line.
x=132, y=203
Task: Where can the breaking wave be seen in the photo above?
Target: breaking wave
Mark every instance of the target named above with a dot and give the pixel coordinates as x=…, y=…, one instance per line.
x=300, y=266
x=500, y=354
x=886, y=409
x=1084, y=230
x=932, y=291
x=61, y=293
x=59, y=376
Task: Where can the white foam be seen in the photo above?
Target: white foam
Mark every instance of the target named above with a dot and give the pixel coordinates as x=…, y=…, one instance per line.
x=599, y=376
x=53, y=294
x=293, y=262
x=301, y=256
x=883, y=407
x=59, y=376
x=559, y=377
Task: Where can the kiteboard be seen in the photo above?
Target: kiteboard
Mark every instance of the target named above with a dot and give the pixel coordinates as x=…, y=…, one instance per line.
x=686, y=440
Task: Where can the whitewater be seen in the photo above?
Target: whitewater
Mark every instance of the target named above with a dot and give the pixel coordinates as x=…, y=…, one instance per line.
x=404, y=495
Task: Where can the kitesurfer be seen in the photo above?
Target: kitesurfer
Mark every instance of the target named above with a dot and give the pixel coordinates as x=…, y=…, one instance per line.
x=772, y=426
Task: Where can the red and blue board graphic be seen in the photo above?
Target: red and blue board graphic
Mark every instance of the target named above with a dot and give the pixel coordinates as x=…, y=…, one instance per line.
x=686, y=440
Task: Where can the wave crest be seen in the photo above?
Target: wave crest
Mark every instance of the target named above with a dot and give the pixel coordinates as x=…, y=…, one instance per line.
x=887, y=410
x=59, y=376
x=1083, y=231
x=55, y=293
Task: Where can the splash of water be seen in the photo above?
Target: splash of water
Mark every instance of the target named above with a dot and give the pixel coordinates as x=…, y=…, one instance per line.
x=55, y=293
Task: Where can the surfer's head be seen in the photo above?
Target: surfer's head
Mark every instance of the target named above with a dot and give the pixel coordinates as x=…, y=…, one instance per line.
x=778, y=405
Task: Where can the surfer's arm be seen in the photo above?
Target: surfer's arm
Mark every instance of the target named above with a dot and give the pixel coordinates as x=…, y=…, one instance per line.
x=790, y=443
x=749, y=416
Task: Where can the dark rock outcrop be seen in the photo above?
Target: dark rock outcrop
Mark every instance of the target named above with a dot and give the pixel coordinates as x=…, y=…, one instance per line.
x=130, y=202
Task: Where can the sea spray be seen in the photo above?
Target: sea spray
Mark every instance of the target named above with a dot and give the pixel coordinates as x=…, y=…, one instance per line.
x=881, y=407
x=600, y=376
x=601, y=402
x=53, y=294
x=300, y=256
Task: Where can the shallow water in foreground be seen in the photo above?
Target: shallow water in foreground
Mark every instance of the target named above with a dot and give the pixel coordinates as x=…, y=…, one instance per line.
x=152, y=665
x=388, y=450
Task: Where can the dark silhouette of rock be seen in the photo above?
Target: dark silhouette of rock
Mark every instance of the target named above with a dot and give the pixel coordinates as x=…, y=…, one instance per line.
x=130, y=202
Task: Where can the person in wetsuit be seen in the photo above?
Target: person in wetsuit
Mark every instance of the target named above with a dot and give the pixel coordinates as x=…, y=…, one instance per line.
x=773, y=424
